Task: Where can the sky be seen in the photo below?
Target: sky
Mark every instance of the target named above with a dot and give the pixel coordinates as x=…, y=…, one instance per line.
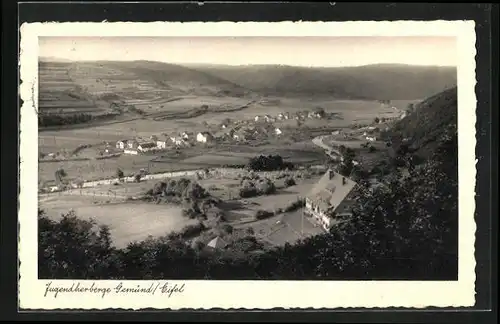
x=295, y=51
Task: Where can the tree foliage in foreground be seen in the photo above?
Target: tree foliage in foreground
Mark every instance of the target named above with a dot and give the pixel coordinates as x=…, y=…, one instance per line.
x=405, y=229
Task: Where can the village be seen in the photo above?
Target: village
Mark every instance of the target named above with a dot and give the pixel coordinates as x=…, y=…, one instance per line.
x=324, y=194
x=242, y=131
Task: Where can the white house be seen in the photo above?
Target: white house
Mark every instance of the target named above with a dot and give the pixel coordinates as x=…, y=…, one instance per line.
x=257, y=118
x=204, y=137
x=122, y=144
x=371, y=138
x=185, y=135
x=178, y=141
x=278, y=131
x=130, y=151
x=146, y=146
x=281, y=116
x=132, y=144
x=330, y=198
x=161, y=143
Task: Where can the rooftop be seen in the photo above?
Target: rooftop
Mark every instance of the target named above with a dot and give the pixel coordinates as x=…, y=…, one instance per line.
x=331, y=190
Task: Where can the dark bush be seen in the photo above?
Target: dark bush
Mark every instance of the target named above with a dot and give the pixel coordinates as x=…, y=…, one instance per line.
x=227, y=229
x=191, y=230
x=290, y=182
x=263, y=214
x=299, y=203
x=269, y=163
x=372, y=149
x=248, y=192
x=45, y=120
x=265, y=187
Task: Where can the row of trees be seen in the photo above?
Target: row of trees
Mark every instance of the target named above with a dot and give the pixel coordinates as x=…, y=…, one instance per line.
x=268, y=163
x=45, y=120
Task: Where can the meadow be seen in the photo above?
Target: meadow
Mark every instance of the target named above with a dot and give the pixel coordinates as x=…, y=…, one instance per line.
x=128, y=222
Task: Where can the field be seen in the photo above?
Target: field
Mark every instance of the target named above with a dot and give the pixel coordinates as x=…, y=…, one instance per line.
x=187, y=159
x=128, y=221
x=174, y=99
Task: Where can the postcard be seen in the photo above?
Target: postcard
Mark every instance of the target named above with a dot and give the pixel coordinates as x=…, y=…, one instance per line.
x=247, y=165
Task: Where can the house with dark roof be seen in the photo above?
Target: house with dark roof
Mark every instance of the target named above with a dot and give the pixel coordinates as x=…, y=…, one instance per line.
x=146, y=146
x=330, y=198
x=121, y=144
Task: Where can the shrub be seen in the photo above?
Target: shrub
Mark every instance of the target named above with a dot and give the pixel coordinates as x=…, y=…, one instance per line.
x=265, y=187
x=299, y=203
x=263, y=214
x=268, y=163
x=290, y=182
x=246, y=244
x=159, y=188
x=227, y=229
x=248, y=192
x=372, y=149
x=191, y=230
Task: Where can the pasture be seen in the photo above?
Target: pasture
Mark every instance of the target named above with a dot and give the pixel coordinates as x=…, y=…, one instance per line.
x=127, y=221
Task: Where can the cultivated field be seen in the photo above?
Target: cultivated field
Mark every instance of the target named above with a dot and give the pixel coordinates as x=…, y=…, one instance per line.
x=128, y=221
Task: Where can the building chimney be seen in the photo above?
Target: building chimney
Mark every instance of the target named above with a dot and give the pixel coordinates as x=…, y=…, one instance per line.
x=344, y=181
x=331, y=174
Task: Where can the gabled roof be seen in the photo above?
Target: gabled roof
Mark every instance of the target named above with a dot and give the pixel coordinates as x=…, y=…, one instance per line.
x=331, y=190
x=147, y=144
x=217, y=243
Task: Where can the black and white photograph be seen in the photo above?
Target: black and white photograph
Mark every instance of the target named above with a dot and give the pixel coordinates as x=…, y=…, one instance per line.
x=247, y=159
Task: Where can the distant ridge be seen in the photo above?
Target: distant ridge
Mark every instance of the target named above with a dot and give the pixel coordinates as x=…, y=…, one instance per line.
x=374, y=82
x=53, y=59
x=368, y=82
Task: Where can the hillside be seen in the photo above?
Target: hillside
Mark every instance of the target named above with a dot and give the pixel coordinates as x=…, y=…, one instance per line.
x=90, y=87
x=379, y=82
x=430, y=121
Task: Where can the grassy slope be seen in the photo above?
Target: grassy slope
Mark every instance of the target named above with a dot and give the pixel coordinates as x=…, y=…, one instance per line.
x=429, y=122
x=73, y=85
x=381, y=81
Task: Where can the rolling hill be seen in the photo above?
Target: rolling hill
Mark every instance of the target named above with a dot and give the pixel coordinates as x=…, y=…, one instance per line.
x=432, y=119
x=379, y=82
x=78, y=85
x=91, y=87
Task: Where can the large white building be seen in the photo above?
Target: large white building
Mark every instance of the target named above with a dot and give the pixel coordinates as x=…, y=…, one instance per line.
x=330, y=198
x=204, y=137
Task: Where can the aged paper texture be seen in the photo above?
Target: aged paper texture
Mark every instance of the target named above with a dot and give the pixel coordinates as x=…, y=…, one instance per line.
x=170, y=293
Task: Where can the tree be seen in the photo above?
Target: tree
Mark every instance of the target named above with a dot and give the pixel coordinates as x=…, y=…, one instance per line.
x=60, y=174
x=119, y=174
x=138, y=177
x=72, y=248
x=376, y=120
